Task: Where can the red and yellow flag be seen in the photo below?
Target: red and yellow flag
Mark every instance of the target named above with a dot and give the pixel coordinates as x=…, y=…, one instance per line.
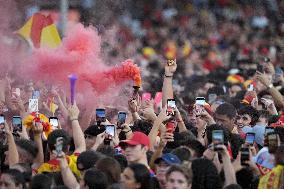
x=40, y=31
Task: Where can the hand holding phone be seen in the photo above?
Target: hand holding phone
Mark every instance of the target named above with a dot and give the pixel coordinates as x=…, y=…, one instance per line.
x=54, y=122
x=121, y=118
x=59, y=146
x=110, y=132
x=217, y=138
x=100, y=115
x=17, y=124
x=250, y=137
x=245, y=156
x=171, y=106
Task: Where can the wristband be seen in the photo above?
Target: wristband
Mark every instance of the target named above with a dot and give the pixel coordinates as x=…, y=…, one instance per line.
x=168, y=75
x=74, y=120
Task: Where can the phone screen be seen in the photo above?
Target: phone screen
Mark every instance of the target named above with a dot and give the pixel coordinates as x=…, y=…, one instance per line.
x=171, y=105
x=17, y=123
x=110, y=130
x=121, y=117
x=244, y=155
x=54, y=122
x=101, y=114
x=59, y=145
x=272, y=142
x=170, y=126
x=36, y=94
x=217, y=137
x=250, y=138
x=200, y=101
x=2, y=119
x=250, y=87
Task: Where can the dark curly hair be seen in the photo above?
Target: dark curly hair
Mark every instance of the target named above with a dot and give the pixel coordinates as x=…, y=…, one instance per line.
x=205, y=175
x=51, y=140
x=253, y=113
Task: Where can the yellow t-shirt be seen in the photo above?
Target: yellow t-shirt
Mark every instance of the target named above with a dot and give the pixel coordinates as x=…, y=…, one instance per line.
x=271, y=179
x=53, y=165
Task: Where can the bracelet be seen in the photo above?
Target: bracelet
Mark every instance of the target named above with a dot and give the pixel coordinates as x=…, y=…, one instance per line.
x=168, y=75
x=74, y=120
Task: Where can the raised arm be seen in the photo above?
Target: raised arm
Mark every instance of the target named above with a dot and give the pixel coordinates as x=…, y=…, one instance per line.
x=168, y=82
x=68, y=177
x=276, y=95
x=77, y=133
x=12, y=147
x=37, y=130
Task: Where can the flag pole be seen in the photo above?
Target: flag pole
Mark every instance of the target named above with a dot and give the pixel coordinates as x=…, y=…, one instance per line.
x=64, y=6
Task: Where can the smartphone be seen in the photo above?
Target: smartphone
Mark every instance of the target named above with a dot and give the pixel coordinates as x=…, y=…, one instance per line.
x=217, y=138
x=100, y=115
x=121, y=117
x=250, y=87
x=54, y=122
x=2, y=123
x=200, y=101
x=17, y=124
x=59, y=145
x=244, y=155
x=110, y=130
x=35, y=94
x=259, y=68
x=146, y=96
x=272, y=139
x=171, y=105
x=269, y=130
x=171, y=126
x=250, y=137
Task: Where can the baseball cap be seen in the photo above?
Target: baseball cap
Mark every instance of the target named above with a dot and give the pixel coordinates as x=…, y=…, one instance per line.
x=136, y=139
x=169, y=158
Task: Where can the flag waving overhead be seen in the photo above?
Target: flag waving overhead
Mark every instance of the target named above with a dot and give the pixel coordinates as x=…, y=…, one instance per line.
x=40, y=31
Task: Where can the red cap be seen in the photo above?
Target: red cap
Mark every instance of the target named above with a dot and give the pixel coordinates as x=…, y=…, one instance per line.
x=136, y=139
x=279, y=123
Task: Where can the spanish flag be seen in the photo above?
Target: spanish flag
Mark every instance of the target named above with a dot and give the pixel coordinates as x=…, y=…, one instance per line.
x=40, y=31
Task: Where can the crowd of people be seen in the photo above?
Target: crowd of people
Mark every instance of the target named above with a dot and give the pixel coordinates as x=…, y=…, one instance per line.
x=208, y=114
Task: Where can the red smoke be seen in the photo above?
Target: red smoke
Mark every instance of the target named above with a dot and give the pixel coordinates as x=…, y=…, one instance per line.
x=115, y=76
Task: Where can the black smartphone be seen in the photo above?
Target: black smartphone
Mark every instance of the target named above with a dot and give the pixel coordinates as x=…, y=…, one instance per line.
x=272, y=139
x=259, y=68
x=110, y=130
x=171, y=105
x=121, y=117
x=100, y=115
x=17, y=124
x=269, y=130
x=54, y=122
x=244, y=155
x=217, y=138
x=250, y=137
